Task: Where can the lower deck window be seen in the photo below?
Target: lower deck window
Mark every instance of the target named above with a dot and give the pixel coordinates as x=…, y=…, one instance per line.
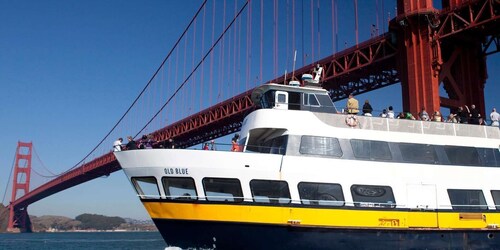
x=146, y=187
x=270, y=191
x=373, y=196
x=467, y=199
x=223, y=189
x=179, y=188
x=321, y=194
x=496, y=198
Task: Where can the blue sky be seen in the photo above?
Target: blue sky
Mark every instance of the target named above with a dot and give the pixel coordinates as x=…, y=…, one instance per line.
x=70, y=69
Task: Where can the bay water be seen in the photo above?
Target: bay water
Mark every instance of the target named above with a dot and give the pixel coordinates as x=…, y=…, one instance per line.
x=83, y=240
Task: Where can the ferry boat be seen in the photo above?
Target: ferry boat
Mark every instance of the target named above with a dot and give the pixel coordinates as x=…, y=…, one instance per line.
x=307, y=177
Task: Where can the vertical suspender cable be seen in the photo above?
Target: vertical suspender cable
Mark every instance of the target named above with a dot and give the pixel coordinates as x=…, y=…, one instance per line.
x=183, y=98
x=175, y=80
x=261, y=38
x=235, y=52
x=221, y=74
x=333, y=27
x=319, y=32
x=212, y=56
x=302, y=26
x=293, y=31
x=383, y=17
x=249, y=45
x=275, y=27
x=193, y=91
x=312, y=31
x=202, y=78
x=376, y=17
x=356, y=20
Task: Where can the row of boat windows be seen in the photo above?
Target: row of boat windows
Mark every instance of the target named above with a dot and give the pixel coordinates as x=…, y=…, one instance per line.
x=311, y=193
x=385, y=151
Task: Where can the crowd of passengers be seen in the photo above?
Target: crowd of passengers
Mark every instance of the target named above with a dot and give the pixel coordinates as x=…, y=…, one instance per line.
x=462, y=115
x=148, y=142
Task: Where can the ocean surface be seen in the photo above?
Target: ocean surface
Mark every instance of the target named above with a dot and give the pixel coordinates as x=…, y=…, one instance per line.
x=80, y=240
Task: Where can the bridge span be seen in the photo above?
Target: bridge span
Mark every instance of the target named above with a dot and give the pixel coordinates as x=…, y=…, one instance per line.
x=423, y=48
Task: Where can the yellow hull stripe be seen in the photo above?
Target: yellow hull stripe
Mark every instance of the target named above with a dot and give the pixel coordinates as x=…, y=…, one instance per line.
x=321, y=217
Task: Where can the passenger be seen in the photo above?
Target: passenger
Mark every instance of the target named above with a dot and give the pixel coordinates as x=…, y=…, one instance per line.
x=205, y=146
x=383, y=114
x=474, y=115
x=169, y=143
x=463, y=114
x=212, y=145
x=401, y=115
x=234, y=143
x=436, y=117
x=390, y=113
x=131, y=145
x=423, y=115
x=481, y=121
x=142, y=142
x=409, y=116
x=117, y=145
x=352, y=105
x=452, y=118
x=367, y=109
x=150, y=141
x=495, y=118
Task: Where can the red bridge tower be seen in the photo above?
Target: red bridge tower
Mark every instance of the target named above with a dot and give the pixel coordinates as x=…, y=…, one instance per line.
x=18, y=217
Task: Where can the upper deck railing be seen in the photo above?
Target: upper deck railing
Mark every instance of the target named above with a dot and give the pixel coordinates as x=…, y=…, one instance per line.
x=412, y=126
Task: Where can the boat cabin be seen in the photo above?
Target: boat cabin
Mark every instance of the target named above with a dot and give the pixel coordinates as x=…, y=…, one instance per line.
x=293, y=97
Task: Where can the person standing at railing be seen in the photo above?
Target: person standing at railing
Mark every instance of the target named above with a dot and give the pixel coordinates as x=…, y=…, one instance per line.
x=131, y=143
x=117, y=145
x=367, y=109
x=474, y=115
x=495, y=118
x=352, y=105
x=234, y=143
x=423, y=115
x=463, y=114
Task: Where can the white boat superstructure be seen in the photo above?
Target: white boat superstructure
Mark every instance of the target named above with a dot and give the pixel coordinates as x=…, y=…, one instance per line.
x=308, y=176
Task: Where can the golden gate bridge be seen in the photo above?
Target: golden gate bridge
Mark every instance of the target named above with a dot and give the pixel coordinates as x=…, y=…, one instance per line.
x=224, y=49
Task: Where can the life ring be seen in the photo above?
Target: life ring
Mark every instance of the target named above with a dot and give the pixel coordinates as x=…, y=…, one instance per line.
x=351, y=121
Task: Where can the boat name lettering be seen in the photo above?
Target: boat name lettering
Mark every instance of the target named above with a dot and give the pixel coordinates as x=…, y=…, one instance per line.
x=176, y=171
x=383, y=222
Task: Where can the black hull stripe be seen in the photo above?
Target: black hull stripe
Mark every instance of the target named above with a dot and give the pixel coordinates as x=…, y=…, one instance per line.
x=224, y=235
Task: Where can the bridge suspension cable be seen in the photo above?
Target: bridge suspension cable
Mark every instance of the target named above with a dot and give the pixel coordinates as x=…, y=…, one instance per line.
x=8, y=180
x=143, y=90
x=195, y=69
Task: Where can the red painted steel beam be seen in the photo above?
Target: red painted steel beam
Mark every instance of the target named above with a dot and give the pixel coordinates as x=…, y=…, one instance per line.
x=479, y=16
x=462, y=37
x=103, y=165
x=216, y=121
x=362, y=68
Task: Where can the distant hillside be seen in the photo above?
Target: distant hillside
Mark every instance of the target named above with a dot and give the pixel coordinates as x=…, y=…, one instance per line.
x=88, y=222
